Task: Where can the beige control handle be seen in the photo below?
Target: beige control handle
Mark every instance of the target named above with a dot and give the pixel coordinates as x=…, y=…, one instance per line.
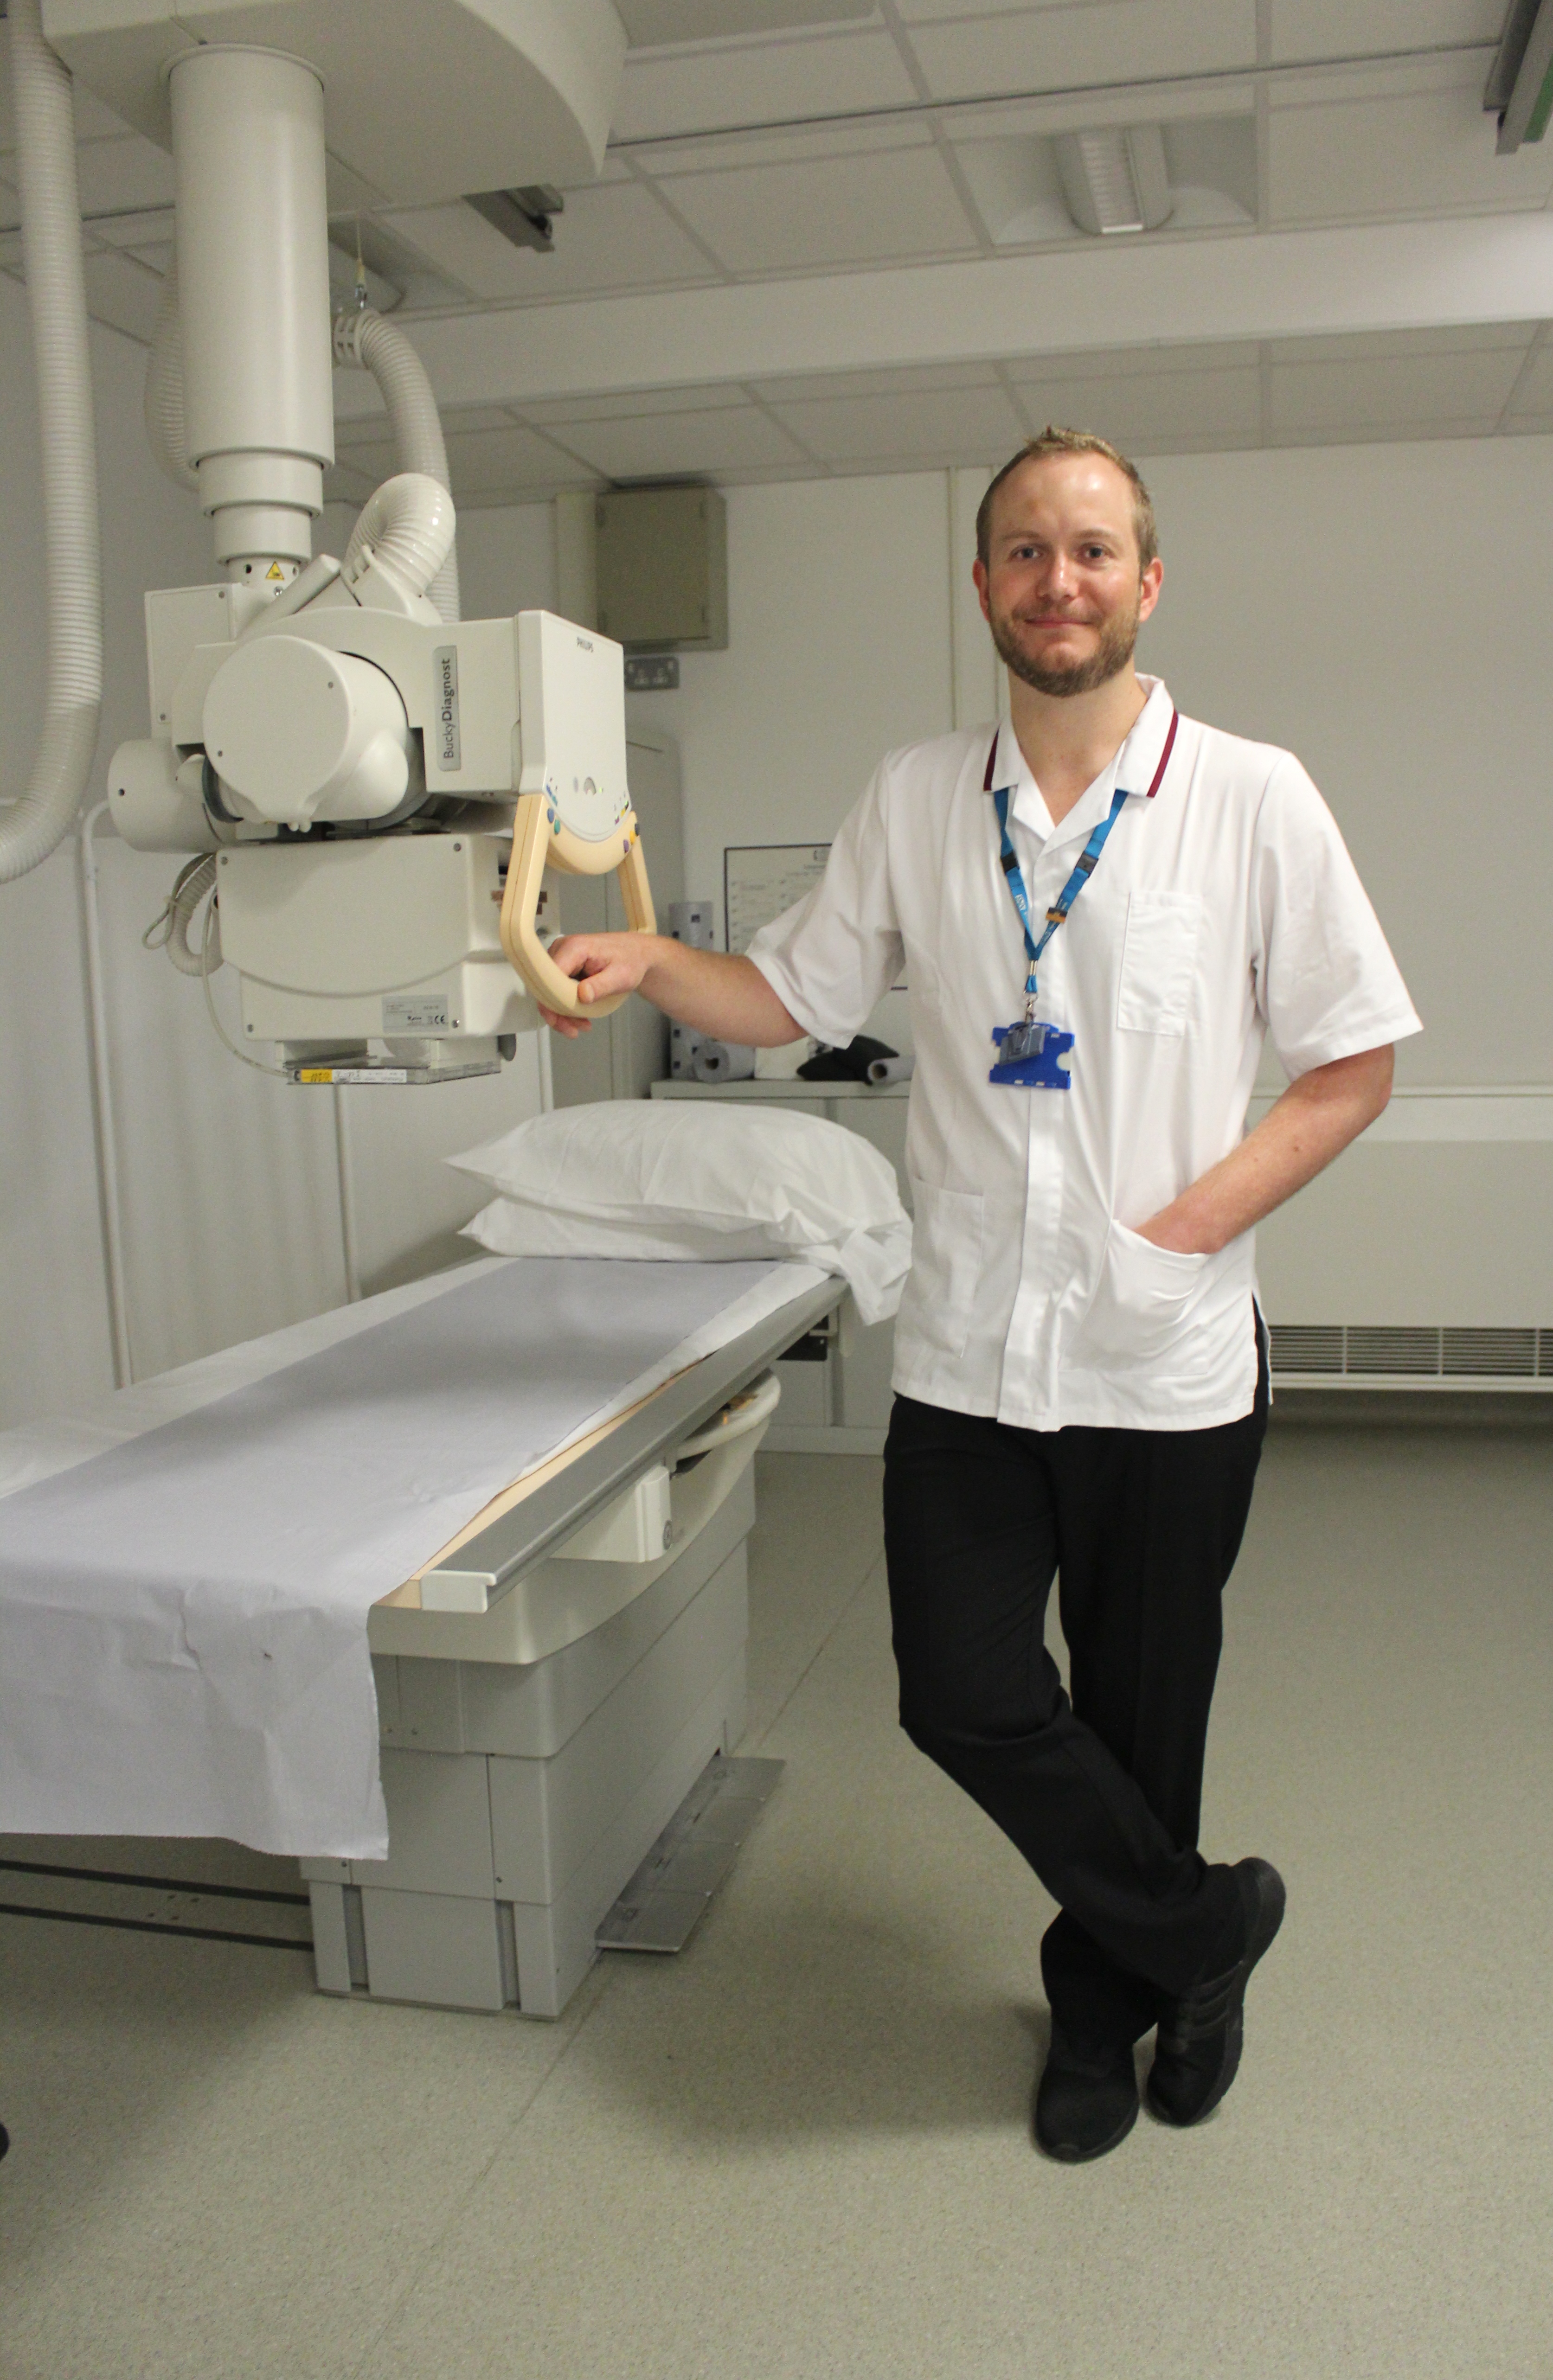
x=541, y=842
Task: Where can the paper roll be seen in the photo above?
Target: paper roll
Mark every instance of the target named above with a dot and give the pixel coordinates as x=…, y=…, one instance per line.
x=723, y=1061
x=891, y=1070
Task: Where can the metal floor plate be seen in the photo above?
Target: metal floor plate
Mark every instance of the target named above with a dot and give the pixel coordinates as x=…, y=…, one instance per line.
x=666, y=1899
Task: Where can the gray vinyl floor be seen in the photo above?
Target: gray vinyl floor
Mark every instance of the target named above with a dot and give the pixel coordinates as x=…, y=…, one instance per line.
x=802, y=2149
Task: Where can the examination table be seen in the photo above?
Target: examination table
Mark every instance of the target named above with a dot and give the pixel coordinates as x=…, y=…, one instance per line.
x=536, y=1743
x=549, y=1686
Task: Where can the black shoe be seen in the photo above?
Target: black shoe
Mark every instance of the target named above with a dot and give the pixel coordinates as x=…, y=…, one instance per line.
x=1085, y=2106
x=1198, y=2048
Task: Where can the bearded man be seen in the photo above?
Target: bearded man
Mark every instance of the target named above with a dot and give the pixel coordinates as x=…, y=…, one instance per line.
x=1102, y=909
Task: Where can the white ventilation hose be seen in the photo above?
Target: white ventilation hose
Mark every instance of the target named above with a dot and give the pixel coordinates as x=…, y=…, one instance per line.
x=365, y=339
x=406, y=527
x=166, y=425
x=57, y=300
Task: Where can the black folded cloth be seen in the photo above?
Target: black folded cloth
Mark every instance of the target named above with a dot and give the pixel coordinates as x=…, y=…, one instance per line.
x=848, y=1066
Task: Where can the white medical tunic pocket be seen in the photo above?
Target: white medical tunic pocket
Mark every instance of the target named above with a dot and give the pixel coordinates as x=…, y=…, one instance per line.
x=1144, y=1301
x=946, y=1249
x=1156, y=994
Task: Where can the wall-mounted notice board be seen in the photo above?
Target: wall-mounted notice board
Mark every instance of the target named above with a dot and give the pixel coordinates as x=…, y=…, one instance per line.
x=761, y=880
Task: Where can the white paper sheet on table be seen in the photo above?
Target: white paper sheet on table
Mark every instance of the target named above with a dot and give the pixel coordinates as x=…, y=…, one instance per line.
x=184, y=1577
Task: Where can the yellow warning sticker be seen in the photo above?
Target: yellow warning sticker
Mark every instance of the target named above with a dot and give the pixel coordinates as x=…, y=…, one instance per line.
x=275, y=571
x=315, y=1073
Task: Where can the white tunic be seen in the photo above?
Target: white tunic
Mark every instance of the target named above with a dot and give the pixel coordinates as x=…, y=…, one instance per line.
x=1225, y=908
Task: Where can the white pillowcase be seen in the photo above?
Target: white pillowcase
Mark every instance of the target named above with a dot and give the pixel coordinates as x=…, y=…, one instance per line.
x=691, y=1179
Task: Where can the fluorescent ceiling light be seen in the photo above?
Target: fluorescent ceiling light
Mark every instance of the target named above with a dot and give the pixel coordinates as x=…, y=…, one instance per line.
x=1519, y=86
x=1115, y=180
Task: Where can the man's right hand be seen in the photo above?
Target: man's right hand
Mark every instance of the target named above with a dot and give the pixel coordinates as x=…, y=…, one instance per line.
x=727, y=998
x=600, y=964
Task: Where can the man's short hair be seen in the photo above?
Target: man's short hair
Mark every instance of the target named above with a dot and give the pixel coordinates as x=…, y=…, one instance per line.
x=1054, y=441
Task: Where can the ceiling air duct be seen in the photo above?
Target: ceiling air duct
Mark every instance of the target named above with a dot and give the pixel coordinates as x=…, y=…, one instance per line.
x=1115, y=180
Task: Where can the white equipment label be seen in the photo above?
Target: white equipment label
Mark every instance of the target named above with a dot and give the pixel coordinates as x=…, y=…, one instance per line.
x=414, y=1011
x=444, y=661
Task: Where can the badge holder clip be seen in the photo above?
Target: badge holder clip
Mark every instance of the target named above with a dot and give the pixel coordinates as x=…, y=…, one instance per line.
x=1028, y=1058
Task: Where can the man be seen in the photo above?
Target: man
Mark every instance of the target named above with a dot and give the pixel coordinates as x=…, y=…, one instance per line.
x=1081, y=1373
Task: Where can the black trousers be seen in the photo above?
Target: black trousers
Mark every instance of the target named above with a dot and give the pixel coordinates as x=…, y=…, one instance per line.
x=1102, y=1795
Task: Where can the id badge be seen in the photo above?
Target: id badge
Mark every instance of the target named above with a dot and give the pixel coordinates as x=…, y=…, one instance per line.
x=1029, y=1055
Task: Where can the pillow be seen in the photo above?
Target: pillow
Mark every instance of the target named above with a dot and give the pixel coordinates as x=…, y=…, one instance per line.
x=690, y=1179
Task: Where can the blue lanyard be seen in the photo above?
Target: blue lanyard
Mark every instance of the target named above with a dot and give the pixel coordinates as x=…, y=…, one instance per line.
x=1085, y=867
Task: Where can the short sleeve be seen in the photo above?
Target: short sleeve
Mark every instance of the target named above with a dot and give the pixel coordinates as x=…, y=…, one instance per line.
x=831, y=958
x=1325, y=980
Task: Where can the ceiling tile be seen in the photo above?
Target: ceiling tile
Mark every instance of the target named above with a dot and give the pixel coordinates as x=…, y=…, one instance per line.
x=123, y=293
x=921, y=377
x=487, y=460
x=615, y=237
x=1534, y=395
x=389, y=260
x=1116, y=363
x=841, y=211
x=670, y=445
x=1338, y=29
x=773, y=82
x=484, y=462
x=1017, y=188
x=150, y=228
x=954, y=12
x=612, y=169
x=457, y=421
x=767, y=475
x=1107, y=42
x=371, y=458
x=119, y=174
x=346, y=191
x=632, y=403
x=1431, y=152
x=361, y=416
x=1399, y=390
x=657, y=23
x=1137, y=412
x=1119, y=103
x=1391, y=79
x=1386, y=433
x=948, y=425
x=1375, y=346
x=796, y=147
x=94, y=119
x=345, y=485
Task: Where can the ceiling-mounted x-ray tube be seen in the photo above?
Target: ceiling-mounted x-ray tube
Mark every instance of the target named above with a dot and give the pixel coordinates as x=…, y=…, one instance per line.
x=253, y=299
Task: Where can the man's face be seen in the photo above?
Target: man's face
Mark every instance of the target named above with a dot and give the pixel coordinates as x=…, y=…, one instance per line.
x=1062, y=589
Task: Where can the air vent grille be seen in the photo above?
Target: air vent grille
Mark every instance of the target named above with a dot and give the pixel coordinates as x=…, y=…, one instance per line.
x=1306, y=1351
x=1389, y=1348
x=1307, y=1347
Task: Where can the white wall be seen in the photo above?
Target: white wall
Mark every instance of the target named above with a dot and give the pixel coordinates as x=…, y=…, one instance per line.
x=1385, y=611
x=230, y=1203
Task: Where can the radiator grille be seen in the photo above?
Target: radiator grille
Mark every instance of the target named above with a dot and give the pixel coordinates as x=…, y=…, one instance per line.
x=1409, y=1351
